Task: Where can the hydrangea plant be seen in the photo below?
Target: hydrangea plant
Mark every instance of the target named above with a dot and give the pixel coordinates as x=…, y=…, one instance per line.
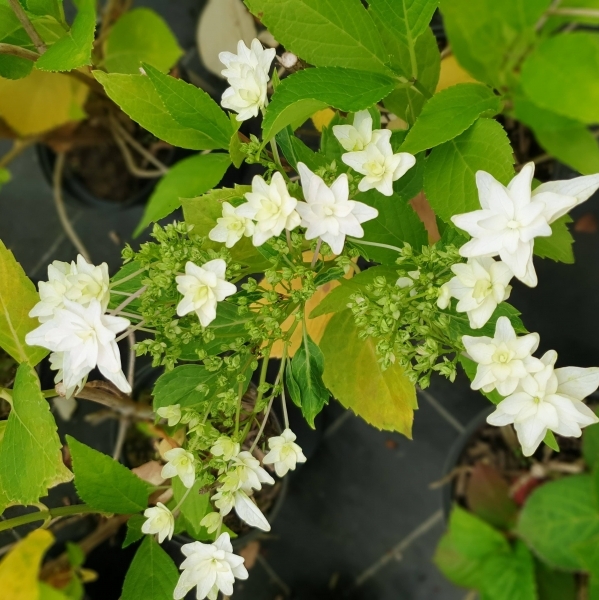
x=241, y=280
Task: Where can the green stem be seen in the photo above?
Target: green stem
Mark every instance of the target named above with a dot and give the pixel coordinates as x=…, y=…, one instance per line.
x=43, y=515
x=180, y=503
x=128, y=278
x=365, y=243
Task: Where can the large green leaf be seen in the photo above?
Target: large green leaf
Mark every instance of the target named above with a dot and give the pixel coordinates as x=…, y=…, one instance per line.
x=194, y=508
x=353, y=374
x=558, y=246
x=449, y=113
x=17, y=298
x=140, y=35
x=302, y=94
x=184, y=385
x=74, y=50
x=152, y=574
x=137, y=97
x=325, y=33
x=105, y=484
x=559, y=516
x=449, y=178
x=192, y=107
x=12, y=32
x=561, y=76
x=309, y=391
x=52, y=8
x=396, y=224
x=30, y=452
x=189, y=177
x=554, y=585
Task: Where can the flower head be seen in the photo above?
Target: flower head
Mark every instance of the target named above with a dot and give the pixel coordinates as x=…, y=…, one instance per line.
x=227, y=500
x=231, y=227
x=550, y=399
x=248, y=474
x=160, y=520
x=172, y=413
x=328, y=212
x=212, y=521
x=225, y=447
x=505, y=360
x=356, y=137
x=202, y=288
x=78, y=380
x=210, y=567
x=180, y=464
x=247, y=74
x=271, y=207
x=378, y=164
x=85, y=338
x=284, y=453
x=511, y=217
x=480, y=285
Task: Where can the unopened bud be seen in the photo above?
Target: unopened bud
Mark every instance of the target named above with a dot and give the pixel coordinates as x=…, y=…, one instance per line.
x=288, y=60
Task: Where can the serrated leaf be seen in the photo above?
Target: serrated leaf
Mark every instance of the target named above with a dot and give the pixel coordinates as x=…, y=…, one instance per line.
x=152, y=574
x=307, y=367
x=300, y=95
x=396, y=224
x=17, y=297
x=449, y=113
x=449, y=176
x=189, y=177
x=134, y=532
x=325, y=33
x=385, y=399
x=558, y=246
x=74, y=50
x=181, y=386
x=30, y=453
x=138, y=98
x=194, y=108
x=127, y=493
x=140, y=35
x=194, y=508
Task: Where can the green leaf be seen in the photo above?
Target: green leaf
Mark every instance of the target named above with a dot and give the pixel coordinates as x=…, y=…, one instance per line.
x=449, y=177
x=559, y=515
x=325, y=33
x=307, y=367
x=295, y=151
x=331, y=274
x=30, y=452
x=194, y=108
x=189, y=177
x=336, y=300
x=560, y=75
x=53, y=8
x=353, y=374
x=459, y=325
x=12, y=32
x=134, y=532
x=558, y=246
x=235, y=149
x=554, y=585
x=75, y=554
x=194, y=508
x=590, y=445
x=17, y=297
x=449, y=113
x=47, y=592
x=127, y=493
x=182, y=386
x=469, y=367
x=396, y=224
x=568, y=140
x=550, y=440
x=152, y=574
x=74, y=50
x=138, y=98
x=140, y=35
x=302, y=94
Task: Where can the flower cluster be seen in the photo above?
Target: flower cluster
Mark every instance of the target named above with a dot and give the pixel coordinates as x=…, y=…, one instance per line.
x=75, y=326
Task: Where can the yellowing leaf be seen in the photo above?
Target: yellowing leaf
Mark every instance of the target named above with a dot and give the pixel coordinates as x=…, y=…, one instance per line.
x=452, y=74
x=385, y=399
x=322, y=118
x=41, y=102
x=19, y=569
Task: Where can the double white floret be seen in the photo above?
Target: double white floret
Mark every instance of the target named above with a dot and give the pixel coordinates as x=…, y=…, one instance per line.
x=231, y=227
x=159, y=521
x=181, y=464
x=284, y=453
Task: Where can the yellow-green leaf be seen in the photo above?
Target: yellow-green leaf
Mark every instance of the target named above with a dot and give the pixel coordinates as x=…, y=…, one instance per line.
x=385, y=399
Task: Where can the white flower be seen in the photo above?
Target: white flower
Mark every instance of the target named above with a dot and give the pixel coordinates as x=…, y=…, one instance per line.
x=247, y=74
x=271, y=207
x=160, y=520
x=284, y=453
x=225, y=500
x=180, y=464
x=225, y=447
x=512, y=216
x=379, y=165
x=79, y=282
x=406, y=282
x=505, y=360
x=172, y=413
x=549, y=399
x=444, y=298
x=328, y=212
x=202, y=288
x=86, y=339
x=210, y=567
x=357, y=136
x=249, y=473
x=231, y=227
x=212, y=521
x=480, y=285
x=78, y=380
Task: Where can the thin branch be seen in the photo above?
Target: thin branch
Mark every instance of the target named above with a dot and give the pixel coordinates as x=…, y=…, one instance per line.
x=541, y=22
x=19, y=52
x=316, y=252
x=129, y=161
x=43, y=515
x=131, y=363
x=27, y=26
x=17, y=147
x=128, y=301
x=120, y=438
x=61, y=210
x=108, y=395
x=575, y=12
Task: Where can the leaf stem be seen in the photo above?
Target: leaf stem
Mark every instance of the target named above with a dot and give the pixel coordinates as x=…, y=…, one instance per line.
x=18, y=52
x=180, y=503
x=27, y=26
x=128, y=301
x=128, y=278
x=377, y=244
x=42, y=515
x=316, y=252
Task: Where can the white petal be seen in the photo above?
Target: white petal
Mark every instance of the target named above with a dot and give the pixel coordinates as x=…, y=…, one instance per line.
x=247, y=511
x=577, y=382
